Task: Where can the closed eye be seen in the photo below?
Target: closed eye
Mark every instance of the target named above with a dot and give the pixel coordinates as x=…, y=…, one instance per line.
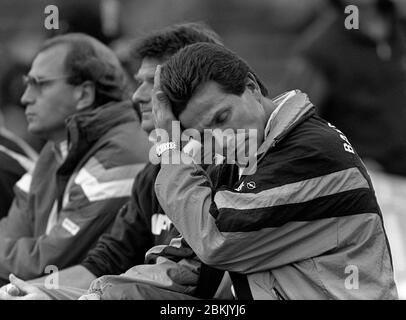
x=222, y=117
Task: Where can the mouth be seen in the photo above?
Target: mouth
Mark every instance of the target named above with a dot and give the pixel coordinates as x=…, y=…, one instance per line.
x=145, y=108
x=29, y=116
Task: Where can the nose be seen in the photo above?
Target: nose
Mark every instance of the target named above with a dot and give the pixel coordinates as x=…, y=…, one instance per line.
x=142, y=94
x=28, y=97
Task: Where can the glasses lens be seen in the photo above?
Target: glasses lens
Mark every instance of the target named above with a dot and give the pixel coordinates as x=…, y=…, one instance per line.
x=30, y=81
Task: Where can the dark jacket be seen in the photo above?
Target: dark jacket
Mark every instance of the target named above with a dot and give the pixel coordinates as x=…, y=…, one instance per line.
x=305, y=225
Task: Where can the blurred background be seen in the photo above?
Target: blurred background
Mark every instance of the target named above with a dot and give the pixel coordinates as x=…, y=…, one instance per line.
x=356, y=78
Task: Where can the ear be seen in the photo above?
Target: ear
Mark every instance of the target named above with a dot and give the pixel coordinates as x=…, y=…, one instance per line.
x=85, y=95
x=252, y=85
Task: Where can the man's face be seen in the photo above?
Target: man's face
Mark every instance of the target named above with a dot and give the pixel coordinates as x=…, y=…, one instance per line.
x=51, y=102
x=143, y=95
x=212, y=108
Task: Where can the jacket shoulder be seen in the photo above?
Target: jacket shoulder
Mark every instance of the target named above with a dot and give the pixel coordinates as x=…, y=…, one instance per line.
x=124, y=144
x=313, y=148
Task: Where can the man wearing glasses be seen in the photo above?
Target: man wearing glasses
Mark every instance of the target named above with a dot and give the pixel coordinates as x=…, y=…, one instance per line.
x=75, y=99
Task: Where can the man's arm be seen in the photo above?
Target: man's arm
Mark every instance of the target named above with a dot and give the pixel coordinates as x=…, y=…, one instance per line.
x=68, y=240
x=130, y=237
x=94, y=200
x=256, y=231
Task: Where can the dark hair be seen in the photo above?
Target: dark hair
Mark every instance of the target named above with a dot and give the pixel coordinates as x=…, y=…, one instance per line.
x=90, y=60
x=166, y=42
x=198, y=63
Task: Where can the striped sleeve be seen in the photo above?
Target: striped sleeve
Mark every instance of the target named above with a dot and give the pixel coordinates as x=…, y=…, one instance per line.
x=91, y=201
x=292, y=214
x=99, y=183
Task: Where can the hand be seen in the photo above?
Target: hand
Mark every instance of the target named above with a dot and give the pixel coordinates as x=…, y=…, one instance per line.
x=161, y=107
x=26, y=291
x=11, y=289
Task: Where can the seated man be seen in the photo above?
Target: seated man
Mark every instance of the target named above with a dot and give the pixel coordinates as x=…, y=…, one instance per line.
x=142, y=223
x=301, y=223
x=16, y=158
x=305, y=224
x=75, y=99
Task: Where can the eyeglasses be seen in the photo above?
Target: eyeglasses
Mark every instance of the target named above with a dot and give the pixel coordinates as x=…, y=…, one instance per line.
x=38, y=83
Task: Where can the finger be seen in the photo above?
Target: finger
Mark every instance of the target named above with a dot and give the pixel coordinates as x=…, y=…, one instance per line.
x=157, y=79
x=155, y=111
x=12, y=290
x=161, y=106
x=20, y=284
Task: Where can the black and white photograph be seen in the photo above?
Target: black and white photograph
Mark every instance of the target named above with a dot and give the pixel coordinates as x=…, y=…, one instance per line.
x=202, y=153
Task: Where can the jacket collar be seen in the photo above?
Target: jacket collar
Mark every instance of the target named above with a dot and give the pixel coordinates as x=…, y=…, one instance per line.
x=85, y=128
x=290, y=111
x=89, y=126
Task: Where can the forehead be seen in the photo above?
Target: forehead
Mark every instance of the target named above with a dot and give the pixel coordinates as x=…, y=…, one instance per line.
x=201, y=108
x=50, y=62
x=148, y=67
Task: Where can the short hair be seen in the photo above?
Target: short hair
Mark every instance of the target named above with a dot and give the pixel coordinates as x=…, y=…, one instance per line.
x=166, y=42
x=90, y=60
x=198, y=63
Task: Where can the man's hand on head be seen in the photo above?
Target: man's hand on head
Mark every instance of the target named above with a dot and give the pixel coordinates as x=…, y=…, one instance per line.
x=161, y=107
x=18, y=289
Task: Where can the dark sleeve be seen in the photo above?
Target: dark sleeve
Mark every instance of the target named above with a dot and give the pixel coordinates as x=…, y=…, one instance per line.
x=126, y=243
x=10, y=172
x=306, y=183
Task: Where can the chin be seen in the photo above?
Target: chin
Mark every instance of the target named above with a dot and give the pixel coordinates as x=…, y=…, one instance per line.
x=32, y=130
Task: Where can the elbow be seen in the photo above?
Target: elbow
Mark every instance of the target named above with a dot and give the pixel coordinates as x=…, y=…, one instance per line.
x=212, y=253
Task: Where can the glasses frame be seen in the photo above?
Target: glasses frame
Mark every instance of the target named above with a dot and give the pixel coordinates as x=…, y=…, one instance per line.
x=38, y=83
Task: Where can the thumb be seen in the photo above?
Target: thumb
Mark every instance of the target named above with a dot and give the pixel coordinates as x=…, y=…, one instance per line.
x=20, y=284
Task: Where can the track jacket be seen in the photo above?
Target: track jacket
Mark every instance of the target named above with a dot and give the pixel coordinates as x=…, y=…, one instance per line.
x=305, y=225
x=16, y=158
x=65, y=205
